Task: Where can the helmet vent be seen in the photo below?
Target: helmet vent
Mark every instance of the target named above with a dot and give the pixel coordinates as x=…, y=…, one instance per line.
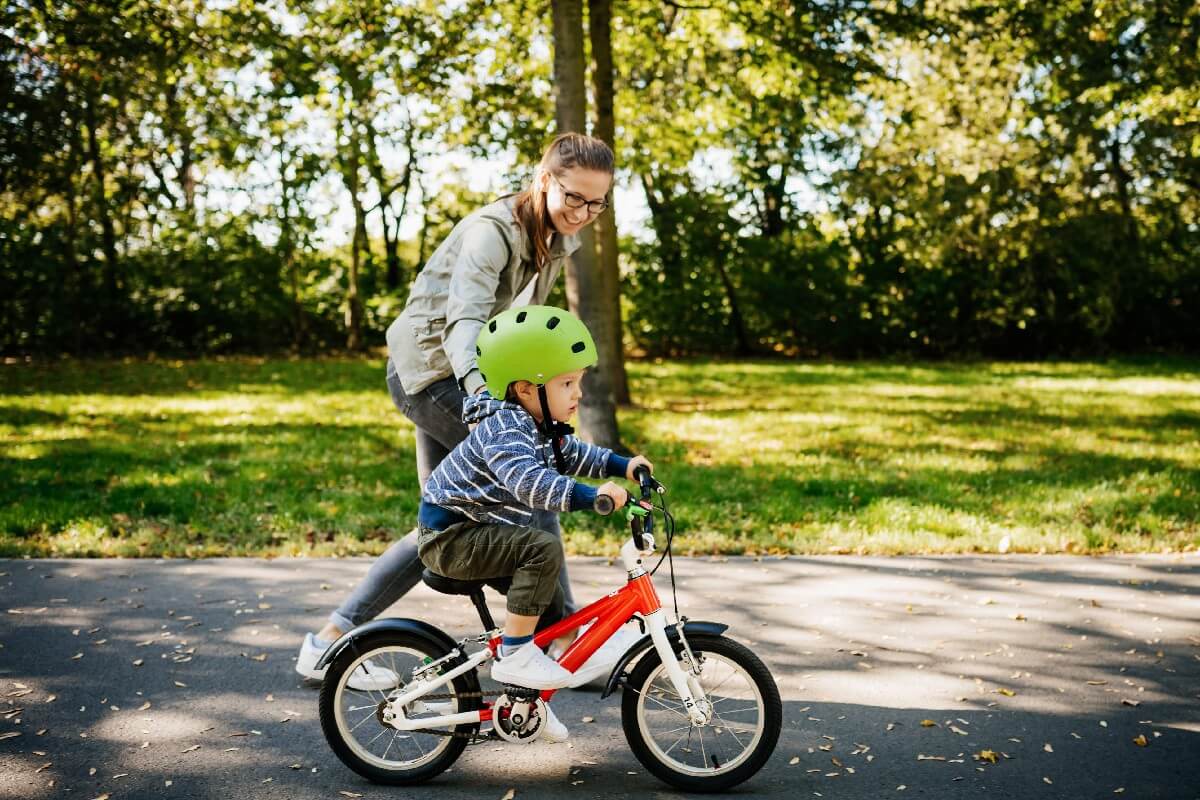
x=578, y=347
x=521, y=316
x=552, y=323
x=492, y=326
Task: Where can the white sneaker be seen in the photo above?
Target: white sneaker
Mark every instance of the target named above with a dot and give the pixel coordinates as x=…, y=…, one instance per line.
x=554, y=731
x=601, y=662
x=368, y=677
x=530, y=668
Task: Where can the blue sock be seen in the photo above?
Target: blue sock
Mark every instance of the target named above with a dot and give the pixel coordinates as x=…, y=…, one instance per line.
x=510, y=644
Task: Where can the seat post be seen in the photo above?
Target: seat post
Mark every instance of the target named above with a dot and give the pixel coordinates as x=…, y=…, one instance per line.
x=485, y=614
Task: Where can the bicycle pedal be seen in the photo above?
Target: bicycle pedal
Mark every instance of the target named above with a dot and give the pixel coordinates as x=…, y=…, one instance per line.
x=522, y=693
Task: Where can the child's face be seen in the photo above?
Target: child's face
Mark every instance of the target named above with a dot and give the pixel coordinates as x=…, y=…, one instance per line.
x=563, y=393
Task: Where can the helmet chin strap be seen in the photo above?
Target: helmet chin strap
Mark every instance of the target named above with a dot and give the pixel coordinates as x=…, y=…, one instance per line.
x=553, y=429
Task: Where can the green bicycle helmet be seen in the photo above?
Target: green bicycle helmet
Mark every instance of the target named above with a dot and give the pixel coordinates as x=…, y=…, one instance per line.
x=532, y=343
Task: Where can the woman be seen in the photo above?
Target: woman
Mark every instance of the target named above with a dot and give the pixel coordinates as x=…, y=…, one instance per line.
x=508, y=249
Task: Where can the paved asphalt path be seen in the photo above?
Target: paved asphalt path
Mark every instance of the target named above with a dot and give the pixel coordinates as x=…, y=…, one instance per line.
x=174, y=679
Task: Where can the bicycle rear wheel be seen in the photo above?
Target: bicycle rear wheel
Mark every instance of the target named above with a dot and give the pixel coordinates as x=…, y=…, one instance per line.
x=352, y=722
x=747, y=716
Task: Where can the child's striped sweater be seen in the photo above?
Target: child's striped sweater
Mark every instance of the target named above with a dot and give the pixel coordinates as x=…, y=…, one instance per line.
x=503, y=470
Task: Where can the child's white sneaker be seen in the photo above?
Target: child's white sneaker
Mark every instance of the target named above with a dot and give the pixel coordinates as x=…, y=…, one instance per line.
x=372, y=678
x=554, y=731
x=530, y=668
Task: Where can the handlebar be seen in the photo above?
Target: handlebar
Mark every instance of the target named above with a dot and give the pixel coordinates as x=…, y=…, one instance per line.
x=637, y=511
x=604, y=505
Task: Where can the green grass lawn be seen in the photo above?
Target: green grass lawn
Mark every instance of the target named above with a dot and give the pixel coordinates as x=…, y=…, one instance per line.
x=278, y=457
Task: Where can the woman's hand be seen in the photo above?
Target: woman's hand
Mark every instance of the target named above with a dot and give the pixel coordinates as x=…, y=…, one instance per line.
x=617, y=493
x=634, y=463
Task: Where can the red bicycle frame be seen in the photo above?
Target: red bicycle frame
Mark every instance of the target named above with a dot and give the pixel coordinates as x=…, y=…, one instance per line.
x=610, y=612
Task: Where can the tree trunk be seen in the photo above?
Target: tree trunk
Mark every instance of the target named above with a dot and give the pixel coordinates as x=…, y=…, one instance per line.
x=350, y=166
x=597, y=410
x=287, y=246
x=108, y=235
x=600, y=32
x=736, y=321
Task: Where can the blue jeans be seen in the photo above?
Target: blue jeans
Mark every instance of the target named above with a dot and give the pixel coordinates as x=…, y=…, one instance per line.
x=436, y=411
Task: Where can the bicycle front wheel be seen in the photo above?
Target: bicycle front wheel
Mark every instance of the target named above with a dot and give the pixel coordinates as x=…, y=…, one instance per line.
x=747, y=716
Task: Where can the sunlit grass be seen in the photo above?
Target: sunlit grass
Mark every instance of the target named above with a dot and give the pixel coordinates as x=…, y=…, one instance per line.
x=252, y=456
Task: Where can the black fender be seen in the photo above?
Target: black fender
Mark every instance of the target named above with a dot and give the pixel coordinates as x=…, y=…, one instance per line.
x=414, y=627
x=645, y=643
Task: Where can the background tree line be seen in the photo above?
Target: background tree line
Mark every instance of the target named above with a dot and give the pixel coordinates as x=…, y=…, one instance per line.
x=853, y=178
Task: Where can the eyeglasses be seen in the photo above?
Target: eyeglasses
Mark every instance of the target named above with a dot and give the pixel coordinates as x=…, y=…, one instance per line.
x=576, y=200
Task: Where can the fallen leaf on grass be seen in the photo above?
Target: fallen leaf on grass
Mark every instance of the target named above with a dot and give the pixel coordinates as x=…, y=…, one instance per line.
x=1005, y=692
x=986, y=755
x=926, y=723
x=190, y=749
x=795, y=760
x=10, y=734
x=958, y=730
x=1048, y=748
x=1127, y=702
x=344, y=793
x=509, y=795
x=589, y=719
x=1140, y=740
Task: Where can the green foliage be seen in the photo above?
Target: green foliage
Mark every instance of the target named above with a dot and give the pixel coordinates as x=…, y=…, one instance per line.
x=285, y=457
x=946, y=178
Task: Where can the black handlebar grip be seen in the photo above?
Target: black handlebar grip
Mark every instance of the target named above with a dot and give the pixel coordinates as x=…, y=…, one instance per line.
x=604, y=505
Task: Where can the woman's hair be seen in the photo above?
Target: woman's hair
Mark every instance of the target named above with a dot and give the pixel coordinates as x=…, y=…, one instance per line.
x=567, y=151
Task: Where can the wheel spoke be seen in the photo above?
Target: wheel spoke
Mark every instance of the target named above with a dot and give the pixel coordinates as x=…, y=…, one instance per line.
x=737, y=710
x=720, y=746
x=376, y=736
x=363, y=741
x=725, y=726
x=682, y=736
x=361, y=721
x=713, y=690
x=667, y=707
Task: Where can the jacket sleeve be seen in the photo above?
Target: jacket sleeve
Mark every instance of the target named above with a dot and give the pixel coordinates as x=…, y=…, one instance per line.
x=482, y=256
x=584, y=458
x=513, y=460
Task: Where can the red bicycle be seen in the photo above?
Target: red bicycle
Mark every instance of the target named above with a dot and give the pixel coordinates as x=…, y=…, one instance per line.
x=699, y=710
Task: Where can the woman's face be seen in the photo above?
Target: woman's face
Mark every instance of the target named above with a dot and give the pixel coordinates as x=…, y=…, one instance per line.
x=575, y=187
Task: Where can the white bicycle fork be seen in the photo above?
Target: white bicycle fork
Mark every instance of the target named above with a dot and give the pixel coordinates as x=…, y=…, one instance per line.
x=686, y=686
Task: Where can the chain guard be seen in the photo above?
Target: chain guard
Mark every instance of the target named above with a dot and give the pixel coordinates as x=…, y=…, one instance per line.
x=520, y=719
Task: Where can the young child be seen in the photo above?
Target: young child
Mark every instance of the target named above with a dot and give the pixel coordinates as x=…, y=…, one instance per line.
x=476, y=511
